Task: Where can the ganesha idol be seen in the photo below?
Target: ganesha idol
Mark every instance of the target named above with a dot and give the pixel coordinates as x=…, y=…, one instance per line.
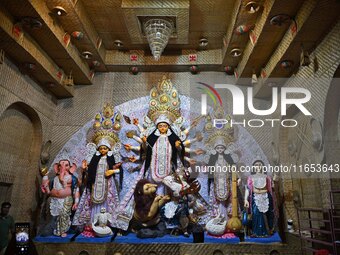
x=64, y=192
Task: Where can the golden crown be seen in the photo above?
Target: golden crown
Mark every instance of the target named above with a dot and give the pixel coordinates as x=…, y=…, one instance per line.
x=105, y=126
x=164, y=100
x=223, y=132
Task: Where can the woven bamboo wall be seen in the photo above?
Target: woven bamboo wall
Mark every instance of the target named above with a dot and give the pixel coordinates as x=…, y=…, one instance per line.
x=26, y=117
x=328, y=56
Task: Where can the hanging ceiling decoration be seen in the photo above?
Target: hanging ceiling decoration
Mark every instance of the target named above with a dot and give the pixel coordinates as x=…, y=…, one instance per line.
x=229, y=70
x=243, y=29
x=77, y=35
x=158, y=32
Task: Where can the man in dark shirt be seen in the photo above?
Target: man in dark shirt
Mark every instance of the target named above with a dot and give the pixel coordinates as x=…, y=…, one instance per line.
x=6, y=226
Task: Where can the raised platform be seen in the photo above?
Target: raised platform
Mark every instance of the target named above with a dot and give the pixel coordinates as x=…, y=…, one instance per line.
x=54, y=239
x=130, y=246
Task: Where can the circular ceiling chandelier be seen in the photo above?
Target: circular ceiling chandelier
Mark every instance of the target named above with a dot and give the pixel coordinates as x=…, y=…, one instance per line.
x=158, y=32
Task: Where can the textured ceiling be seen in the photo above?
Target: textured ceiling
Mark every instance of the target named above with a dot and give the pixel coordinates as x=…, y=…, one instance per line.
x=103, y=21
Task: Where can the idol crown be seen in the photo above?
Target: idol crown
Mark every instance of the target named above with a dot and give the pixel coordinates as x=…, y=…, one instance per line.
x=164, y=100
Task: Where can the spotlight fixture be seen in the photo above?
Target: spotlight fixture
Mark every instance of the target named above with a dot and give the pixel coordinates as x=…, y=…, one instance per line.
x=118, y=43
x=86, y=55
x=280, y=19
x=134, y=70
x=203, y=42
x=236, y=52
x=286, y=64
x=59, y=10
x=252, y=7
x=194, y=69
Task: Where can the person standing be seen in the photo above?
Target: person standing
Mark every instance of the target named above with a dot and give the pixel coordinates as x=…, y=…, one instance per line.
x=6, y=226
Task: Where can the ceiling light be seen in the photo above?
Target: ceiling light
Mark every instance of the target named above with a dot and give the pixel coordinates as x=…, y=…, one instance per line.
x=194, y=69
x=236, y=52
x=60, y=11
x=118, y=43
x=203, y=42
x=280, y=19
x=87, y=55
x=252, y=7
x=158, y=32
x=31, y=22
x=134, y=70
x=286, y=64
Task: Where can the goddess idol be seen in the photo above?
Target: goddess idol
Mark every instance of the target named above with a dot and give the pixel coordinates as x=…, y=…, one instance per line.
x=101, y=191
x=258, y=198
x=163, y=138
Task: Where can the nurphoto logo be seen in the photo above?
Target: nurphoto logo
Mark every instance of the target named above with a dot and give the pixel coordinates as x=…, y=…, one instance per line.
x=238, y=99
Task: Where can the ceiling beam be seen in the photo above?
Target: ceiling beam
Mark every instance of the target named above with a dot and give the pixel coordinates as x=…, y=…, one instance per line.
x=120, y=61
x=251, y=48
x=89, y=29
x=22, y=42
x=261, y=88
x=58, y=32
x=230, y=31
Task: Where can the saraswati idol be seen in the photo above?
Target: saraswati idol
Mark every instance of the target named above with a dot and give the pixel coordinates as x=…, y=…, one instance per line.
x=104, y=173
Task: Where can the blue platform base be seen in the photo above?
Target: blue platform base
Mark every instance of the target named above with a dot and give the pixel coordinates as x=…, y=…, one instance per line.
x=83, y=239
x=133, y=239
x=54, y=239
x=275, y=238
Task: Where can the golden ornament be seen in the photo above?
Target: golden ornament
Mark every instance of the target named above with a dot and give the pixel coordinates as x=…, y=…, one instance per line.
x=164, y=99
x=117, y=126
x=96, y=125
